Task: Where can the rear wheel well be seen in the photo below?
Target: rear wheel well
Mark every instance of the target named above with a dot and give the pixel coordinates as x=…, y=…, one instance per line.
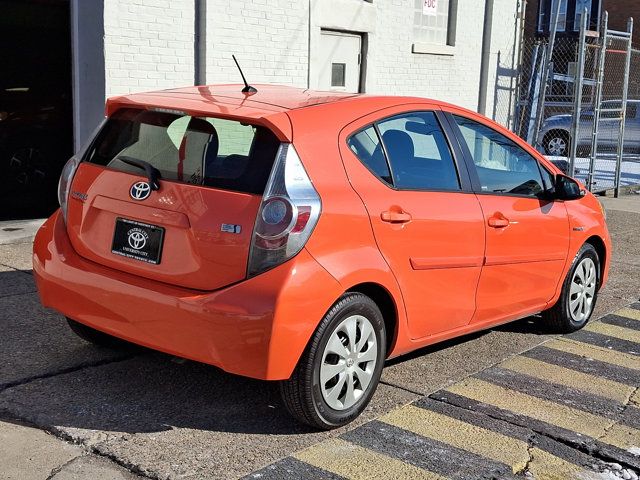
x=387, y=306
x=597, y=243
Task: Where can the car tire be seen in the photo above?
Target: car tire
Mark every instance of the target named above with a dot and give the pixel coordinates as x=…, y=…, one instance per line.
x=579, y=293
x=557, y=143
x=97, y=337
x=327, y=389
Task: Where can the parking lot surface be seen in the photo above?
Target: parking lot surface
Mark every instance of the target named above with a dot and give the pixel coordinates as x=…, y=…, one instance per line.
x=510, y=402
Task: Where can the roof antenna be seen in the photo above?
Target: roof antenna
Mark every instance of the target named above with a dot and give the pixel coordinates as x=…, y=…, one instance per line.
x=247, y=88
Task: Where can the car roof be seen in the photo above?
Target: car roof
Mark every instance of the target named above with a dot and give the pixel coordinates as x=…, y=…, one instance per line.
x=268, y=106
x=268, y=98
x=284, y=97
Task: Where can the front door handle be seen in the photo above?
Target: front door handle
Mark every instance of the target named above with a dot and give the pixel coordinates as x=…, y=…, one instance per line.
x=498, y=221
x=395, y=217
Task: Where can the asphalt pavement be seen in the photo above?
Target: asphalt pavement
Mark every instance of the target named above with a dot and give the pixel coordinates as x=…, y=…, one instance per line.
x=510, y=402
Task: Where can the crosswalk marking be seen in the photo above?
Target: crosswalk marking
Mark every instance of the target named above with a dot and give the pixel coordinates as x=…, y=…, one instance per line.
x=456, y=433
x=571, y=378
x=614, y=331
x=358, y=463
x=546, y=466
x=597, y=353
x=629, y=313
x=562, y=416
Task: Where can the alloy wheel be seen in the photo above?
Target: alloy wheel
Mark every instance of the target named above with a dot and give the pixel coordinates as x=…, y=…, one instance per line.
x=557, y=146
x=583, y=289
x=348, y=362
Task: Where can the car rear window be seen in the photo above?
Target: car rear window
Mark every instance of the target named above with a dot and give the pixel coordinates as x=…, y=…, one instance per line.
x=212, y=152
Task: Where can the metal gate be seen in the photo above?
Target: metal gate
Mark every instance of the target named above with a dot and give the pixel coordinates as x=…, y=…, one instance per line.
x=579, y=104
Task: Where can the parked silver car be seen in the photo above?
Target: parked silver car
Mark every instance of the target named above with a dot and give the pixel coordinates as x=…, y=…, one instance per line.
x=555, y=135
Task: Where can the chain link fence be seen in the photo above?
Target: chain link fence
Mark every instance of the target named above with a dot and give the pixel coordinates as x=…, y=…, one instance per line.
x=589, y=144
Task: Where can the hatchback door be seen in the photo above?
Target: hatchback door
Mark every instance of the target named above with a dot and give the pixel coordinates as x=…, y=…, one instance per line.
x=428, y=229
x=527, y=235
x=195, y=231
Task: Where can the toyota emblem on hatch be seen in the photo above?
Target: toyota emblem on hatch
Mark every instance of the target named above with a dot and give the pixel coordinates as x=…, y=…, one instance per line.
x=140, y=190
x=136, y=239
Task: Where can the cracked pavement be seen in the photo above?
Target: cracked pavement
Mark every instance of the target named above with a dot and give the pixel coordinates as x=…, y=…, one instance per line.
x=497, y=404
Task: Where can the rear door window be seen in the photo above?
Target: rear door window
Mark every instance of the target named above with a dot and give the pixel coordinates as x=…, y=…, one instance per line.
x=413, y=153
x=212, y=152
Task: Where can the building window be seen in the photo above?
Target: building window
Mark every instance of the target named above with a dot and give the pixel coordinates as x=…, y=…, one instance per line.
x=544, y=23
x=540, y=16
x=562, y=18
x=580, y=6
x=338, y=75
x=434, y=21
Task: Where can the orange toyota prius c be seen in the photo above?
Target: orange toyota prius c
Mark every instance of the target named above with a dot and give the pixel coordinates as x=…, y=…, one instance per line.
x=305, y=237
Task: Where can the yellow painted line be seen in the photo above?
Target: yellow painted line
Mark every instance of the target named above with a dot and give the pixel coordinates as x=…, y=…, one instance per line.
x=595, y=352
x=629, y=313
x=358, y=463
x=459, y=434
x=544, y=410
x=548, y=466
x=615, y=331
x=570, y=378
x=622, y=436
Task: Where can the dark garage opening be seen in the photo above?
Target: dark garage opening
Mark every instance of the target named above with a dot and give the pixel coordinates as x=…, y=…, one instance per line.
x=36, y=117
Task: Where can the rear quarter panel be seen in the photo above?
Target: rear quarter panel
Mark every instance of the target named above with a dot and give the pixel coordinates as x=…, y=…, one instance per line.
x=343, y=241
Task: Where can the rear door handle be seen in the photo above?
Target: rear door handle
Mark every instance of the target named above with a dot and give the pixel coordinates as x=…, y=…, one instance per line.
x=498, y=222
x=395, y=217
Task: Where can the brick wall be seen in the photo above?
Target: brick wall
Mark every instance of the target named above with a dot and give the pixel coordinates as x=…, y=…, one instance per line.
x=454, y=78
x=270, y=38
x=619, y=13
x=148, y=44
x=398, y=71
x=503, y=62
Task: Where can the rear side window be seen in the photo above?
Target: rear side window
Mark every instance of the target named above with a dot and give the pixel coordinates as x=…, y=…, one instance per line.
x=413, y=153
x=366, y=145
x=502, y=166
x=205, y=151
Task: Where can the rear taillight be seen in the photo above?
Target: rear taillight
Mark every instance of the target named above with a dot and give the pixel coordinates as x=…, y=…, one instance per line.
x=289, y=211
x=66, y=177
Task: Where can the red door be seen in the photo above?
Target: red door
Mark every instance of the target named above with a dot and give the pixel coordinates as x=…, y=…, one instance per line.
x=429, y=231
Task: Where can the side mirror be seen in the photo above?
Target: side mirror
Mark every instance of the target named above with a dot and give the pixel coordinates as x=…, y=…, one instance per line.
x=566, y=188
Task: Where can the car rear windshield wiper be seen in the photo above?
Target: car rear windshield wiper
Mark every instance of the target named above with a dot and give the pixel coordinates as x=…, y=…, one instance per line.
x=153, y=174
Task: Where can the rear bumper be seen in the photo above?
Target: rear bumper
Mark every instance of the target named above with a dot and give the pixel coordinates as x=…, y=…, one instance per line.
x=256, y=328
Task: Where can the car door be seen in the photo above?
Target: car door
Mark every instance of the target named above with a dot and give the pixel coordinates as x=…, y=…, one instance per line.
x=527, y=234
x=426, y=221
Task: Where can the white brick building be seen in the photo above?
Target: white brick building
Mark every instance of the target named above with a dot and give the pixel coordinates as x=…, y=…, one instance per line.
x=378, y=46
